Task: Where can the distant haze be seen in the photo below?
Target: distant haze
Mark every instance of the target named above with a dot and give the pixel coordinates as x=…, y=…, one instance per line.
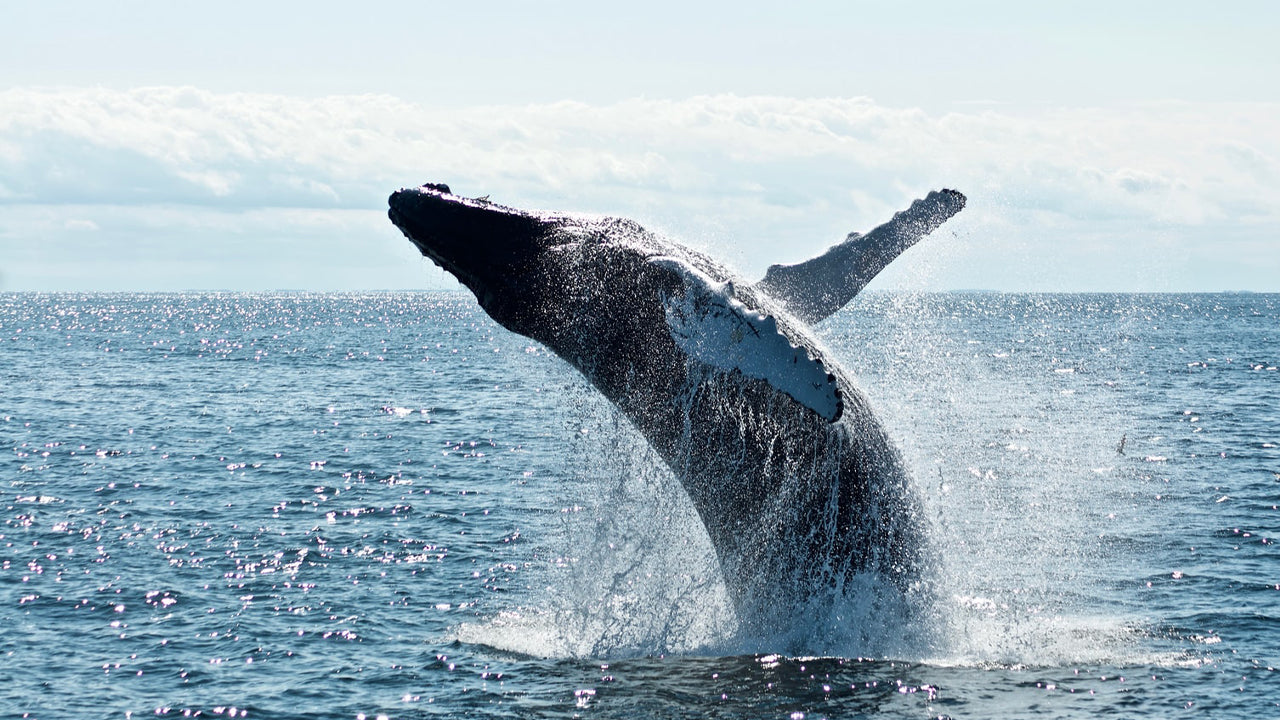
x=158, y=147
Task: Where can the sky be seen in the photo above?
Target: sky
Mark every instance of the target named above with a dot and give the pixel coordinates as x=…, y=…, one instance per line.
x=251, y=146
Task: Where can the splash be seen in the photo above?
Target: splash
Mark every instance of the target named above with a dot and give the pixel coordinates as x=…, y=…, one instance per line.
x=1028, y=506
x=631, y=572
x=1034, y=515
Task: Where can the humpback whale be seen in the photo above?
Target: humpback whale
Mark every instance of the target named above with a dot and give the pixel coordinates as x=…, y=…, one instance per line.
x=795, y=479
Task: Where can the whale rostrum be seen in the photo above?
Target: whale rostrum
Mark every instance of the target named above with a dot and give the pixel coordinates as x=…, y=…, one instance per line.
x=795, y=479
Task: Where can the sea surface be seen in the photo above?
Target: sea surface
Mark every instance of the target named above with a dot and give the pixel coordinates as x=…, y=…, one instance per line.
x=384, y=505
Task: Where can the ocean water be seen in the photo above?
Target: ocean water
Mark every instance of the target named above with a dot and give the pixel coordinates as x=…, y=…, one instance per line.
x=329, y=505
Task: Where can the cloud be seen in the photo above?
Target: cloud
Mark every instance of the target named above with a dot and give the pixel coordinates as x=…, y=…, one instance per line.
x=760, y=179
x=86, y=225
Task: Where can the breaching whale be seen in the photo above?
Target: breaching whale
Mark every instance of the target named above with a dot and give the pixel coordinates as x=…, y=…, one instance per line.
x=796, y=481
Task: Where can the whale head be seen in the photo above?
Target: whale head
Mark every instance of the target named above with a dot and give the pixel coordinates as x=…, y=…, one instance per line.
x=544, y=275
x=491, y=249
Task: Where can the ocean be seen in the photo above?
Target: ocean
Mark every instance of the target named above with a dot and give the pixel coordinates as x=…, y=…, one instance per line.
x=384, y=505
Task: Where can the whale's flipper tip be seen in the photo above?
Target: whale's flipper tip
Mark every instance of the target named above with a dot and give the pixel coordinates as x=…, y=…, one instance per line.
x=955, y=199
x=818, y=287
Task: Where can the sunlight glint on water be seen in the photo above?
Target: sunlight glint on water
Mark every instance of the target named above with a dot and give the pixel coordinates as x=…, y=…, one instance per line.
x=294, y=505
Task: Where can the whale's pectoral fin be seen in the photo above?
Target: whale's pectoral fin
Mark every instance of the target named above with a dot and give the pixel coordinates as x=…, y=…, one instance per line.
x=716, y=329
x=817, y=288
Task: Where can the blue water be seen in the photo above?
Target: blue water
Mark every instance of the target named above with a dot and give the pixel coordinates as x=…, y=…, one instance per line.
x=287, y=505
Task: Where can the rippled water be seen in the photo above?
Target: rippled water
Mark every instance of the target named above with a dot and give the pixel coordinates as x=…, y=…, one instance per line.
x=343, y=505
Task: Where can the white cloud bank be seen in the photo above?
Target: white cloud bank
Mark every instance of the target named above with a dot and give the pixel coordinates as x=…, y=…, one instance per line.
x=162, y=188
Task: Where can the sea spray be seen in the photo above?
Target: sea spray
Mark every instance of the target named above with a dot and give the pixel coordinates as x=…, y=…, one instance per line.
x=1007, y=472
x=632, y=573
